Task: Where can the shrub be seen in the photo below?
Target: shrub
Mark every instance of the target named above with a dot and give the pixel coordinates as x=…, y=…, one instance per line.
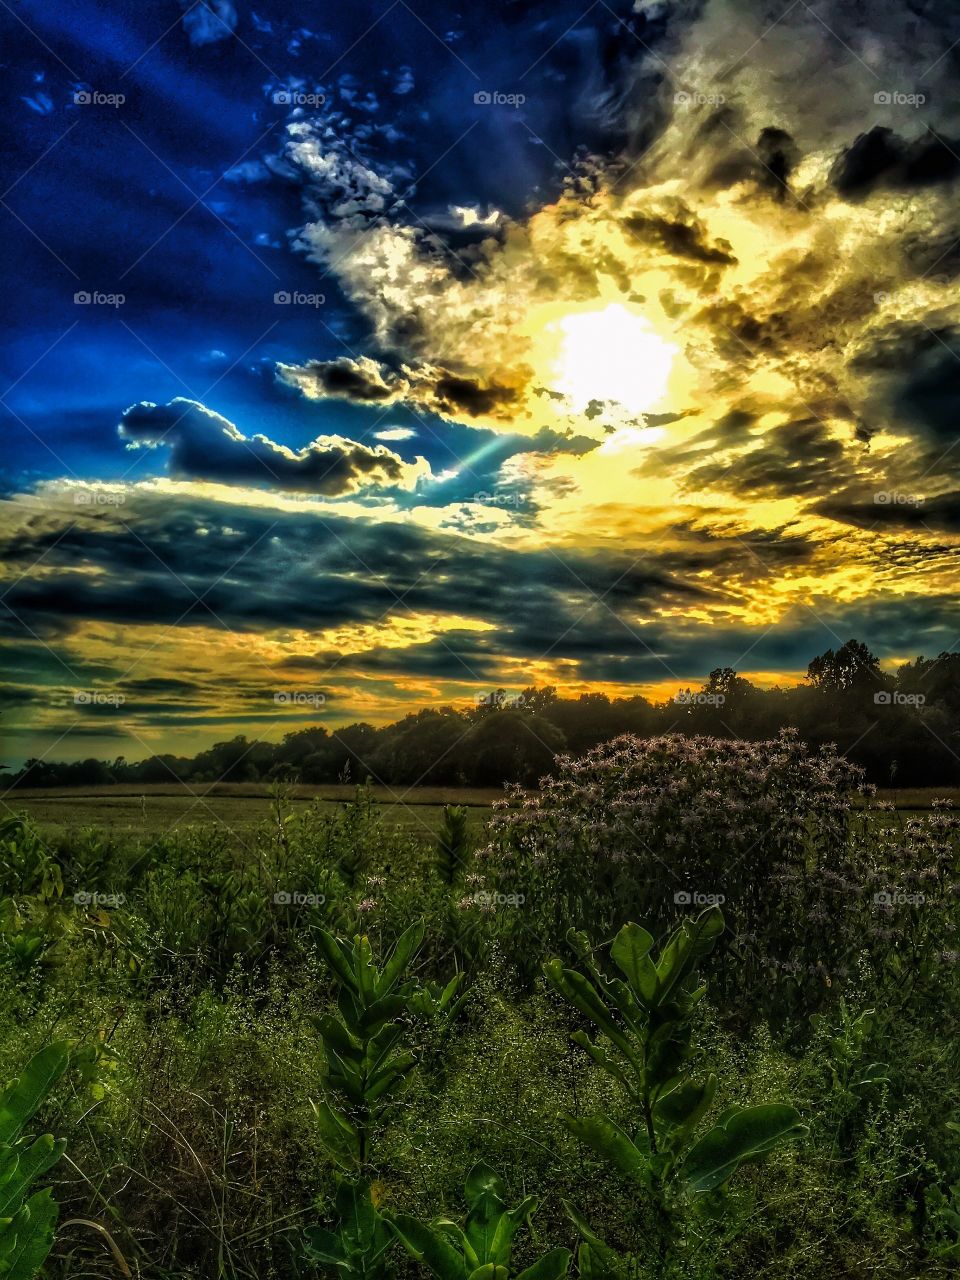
x=645, y=829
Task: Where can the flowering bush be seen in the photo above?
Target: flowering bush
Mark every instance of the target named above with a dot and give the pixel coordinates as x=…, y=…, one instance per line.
x=650, y=828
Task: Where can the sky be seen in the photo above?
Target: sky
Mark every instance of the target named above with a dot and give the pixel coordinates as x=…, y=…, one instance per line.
x=369, y=357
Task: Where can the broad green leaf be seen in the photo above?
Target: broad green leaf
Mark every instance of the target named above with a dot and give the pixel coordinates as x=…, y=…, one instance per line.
x=489, y=1272
x=429, y=1246
x=583, y=995
x=336, y=1132
x=23, y=1096
x=325, y=1246
x=688, y=945
x=609, y=1141
x=685, y=1105
x=19, y=1167
x=506, y=1229
x=27, y=1239
x=631, y=953
x=596, y=1262
x=338, y=1039
x=381, y=1011
x=482, y=1180
x=407, y=946
x=450, y=989
x=551, y=1266
x=483, y=1220
x=333, y=953
x=744, y=1134
x=601, y=1058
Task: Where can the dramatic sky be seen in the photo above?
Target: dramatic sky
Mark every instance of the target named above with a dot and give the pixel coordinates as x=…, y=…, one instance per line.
x=384, y=353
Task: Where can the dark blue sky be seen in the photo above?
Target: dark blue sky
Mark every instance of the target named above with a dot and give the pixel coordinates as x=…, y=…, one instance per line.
x=132, y=199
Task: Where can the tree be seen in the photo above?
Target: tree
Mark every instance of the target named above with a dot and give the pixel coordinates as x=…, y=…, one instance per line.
x=853, y=666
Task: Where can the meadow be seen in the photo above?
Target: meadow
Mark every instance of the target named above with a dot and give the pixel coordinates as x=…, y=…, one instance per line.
x=239, y=807
x=690, y=1009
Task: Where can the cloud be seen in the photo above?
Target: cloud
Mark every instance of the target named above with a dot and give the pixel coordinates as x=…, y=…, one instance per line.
x=208, y=21
x=205, y=446
x=389, y=434
x=363, y=380
x=427, y=387
x=880, y=158
x=681, y=235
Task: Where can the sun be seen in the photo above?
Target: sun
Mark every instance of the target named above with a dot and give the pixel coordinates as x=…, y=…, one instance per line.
x=612, y=354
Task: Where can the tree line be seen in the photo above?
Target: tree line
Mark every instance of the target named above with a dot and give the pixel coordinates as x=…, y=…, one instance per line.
x=903, y=728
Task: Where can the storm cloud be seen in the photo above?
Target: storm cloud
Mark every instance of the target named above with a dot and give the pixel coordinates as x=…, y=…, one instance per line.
x=205, y=446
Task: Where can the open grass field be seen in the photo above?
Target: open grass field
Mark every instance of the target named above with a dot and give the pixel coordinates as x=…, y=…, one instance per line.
x=239, y=806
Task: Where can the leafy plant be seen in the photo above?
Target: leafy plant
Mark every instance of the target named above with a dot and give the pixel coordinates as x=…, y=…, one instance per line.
x=357, y=1249
x=453, y=844
x=27, y=865
x=367, y=1065
x=943, y=1215
x=646, y=1022
x=846, y=1046
x=482, y=1248
x=759, y=824
x=27, y=1219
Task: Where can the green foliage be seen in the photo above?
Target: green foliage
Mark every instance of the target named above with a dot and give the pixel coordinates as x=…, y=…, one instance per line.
x=357, y=1249
x=943, y=1214
x=27, y=864
x=202, y=990
x=482, y=1248
x=847, y=1056
x=453, y=844
x=646, y=1020
x=27, y=1219
x=367, y=1062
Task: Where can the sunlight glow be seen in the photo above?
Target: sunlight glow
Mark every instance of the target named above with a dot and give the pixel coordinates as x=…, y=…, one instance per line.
x=613, y=354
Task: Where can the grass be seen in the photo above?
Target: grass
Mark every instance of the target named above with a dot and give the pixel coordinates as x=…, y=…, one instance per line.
x=242, y=806
x=237, y=806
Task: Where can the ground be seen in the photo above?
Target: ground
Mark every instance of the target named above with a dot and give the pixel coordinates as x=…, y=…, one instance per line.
x=243, y=805
x=237, y=805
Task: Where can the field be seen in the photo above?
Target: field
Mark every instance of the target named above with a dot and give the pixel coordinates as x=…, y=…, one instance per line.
x=238, y=807
x=282, y=1034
